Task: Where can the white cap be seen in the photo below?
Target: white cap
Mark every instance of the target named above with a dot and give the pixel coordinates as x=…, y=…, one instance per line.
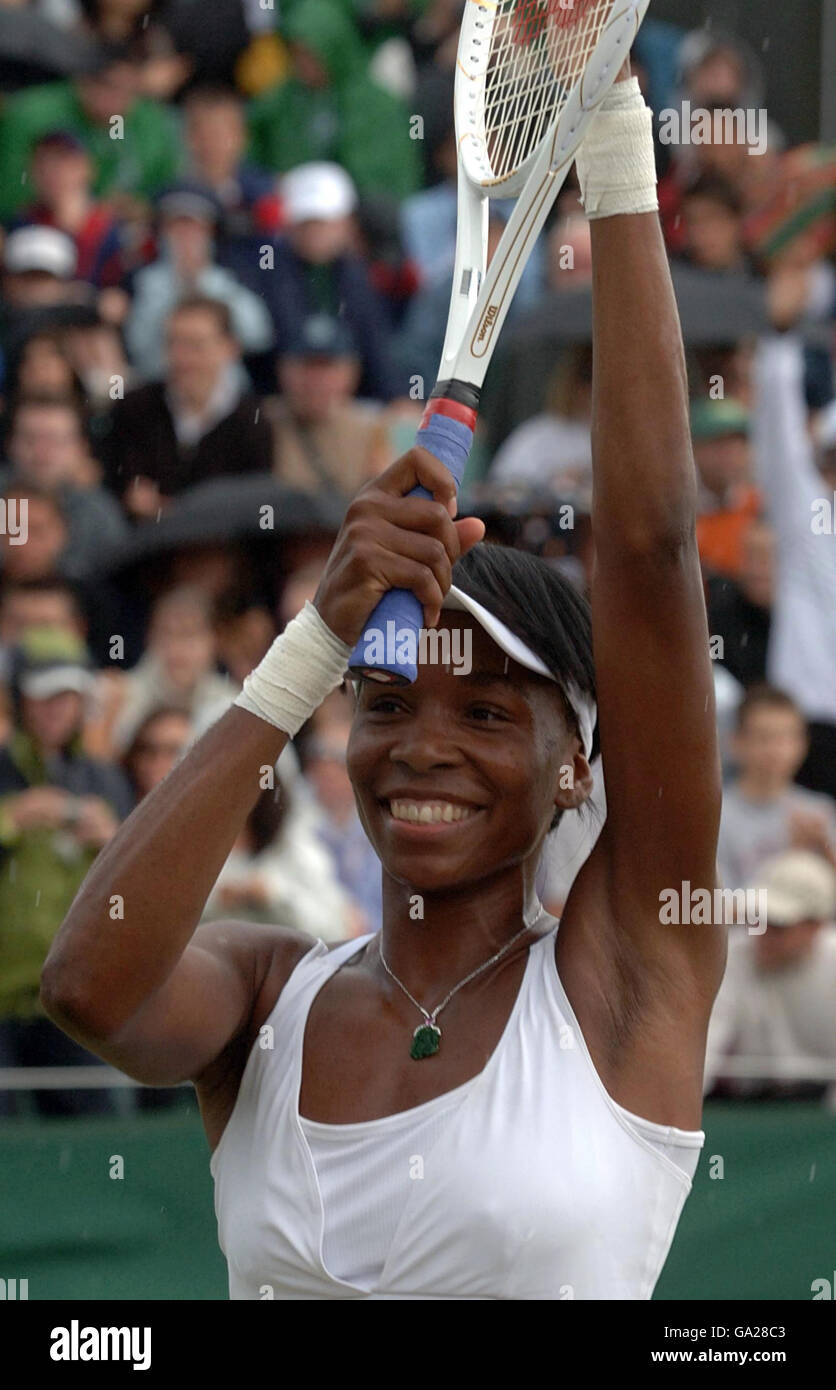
x=56, y=680
x=584, y=709
x=800, y=887
x=40, y=248
x=317, y=191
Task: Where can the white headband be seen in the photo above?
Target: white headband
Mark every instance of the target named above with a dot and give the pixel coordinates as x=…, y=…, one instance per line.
x=583, y=708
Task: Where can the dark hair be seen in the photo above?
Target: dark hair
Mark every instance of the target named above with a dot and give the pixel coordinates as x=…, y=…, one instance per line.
x=49, y=400
x=765, y=696
x=203, y=304
x=46, y=584
x=717, y=190
x=158, y=712
x=541, y=607
x=55, y=338
x=213, y=94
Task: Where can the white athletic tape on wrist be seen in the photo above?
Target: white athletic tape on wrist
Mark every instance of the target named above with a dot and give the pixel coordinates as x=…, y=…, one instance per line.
x=303, y=665
x=616, y=162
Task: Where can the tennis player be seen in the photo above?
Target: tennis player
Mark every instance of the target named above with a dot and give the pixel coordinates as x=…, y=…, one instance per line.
x=472, y=1103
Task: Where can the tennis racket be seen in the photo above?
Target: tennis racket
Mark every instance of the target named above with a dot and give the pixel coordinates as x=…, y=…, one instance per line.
x=530, y=75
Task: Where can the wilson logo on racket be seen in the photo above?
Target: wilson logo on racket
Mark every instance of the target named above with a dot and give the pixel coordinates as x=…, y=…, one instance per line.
x=488, y=321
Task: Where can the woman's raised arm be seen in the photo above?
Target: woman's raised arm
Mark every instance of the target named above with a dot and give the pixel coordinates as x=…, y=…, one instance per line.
x=651, y=646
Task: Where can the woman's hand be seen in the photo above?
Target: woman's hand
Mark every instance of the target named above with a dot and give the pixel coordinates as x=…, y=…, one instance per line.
x=391, y=541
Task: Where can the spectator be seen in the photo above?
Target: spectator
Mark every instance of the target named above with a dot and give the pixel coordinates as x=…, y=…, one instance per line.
x=187, y=216
x=159, y=742
x=764, y=811
x=278, y=871
x=163, y=69
x=178, y=667
x=317, y=271
x=198, y=423
x=244, y=632
x=322, y=436
x=43, y=368
x=740, y=612
x=776, y=1001
x=712, y=226
x=141, y=162
x=38, y=277
x=46, y=534
x=48, y=602
x=96, y=350
x=58, y=808
x=46, y=446
x=62, y=177
x=802, y=650
x=331, y=109
x=393, y=275
x=718, y=73
x=215, y=131
x=728, y=500
x=554, y=449
x=340, y=830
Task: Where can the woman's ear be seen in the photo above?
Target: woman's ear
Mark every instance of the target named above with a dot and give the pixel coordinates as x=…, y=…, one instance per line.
x=575, y=783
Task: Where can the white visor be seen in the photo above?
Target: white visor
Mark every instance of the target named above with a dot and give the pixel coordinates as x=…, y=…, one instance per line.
x=583, y=708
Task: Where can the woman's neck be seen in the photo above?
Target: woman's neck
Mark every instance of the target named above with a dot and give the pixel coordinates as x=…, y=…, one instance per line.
x=432, y=939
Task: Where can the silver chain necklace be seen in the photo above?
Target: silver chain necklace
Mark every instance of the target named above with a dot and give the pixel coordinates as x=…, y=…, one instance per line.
x=426, y=1040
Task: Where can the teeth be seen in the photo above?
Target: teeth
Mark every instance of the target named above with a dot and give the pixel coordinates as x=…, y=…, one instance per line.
x=429, y=812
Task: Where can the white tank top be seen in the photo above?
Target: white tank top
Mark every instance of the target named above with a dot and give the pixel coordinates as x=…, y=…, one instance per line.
x=527, y=1182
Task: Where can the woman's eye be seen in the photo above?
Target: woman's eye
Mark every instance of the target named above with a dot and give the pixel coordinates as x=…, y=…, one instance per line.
x=485, y=714
x=384, y=706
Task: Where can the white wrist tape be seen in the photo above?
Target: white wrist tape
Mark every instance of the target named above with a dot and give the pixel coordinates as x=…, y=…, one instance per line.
x=616, y=162
x=303, y=665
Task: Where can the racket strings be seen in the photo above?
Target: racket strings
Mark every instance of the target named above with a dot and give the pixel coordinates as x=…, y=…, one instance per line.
x=539, y=50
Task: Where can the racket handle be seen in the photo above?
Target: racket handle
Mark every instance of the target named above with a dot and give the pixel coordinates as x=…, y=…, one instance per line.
x=388, y=649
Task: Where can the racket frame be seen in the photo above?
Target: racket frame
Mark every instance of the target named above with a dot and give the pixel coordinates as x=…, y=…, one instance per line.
x=481, y=295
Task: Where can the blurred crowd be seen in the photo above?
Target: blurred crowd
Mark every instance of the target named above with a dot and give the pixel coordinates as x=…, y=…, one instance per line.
x=227, y=245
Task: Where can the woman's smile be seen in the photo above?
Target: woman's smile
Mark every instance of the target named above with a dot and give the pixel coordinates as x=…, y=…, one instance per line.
x=428, y=815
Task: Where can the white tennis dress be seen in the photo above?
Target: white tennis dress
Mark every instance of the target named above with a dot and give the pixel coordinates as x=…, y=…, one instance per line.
x=527, y=1182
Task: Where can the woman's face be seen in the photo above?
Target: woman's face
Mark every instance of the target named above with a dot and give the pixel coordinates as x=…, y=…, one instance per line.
x=480, y=753
x=159, y=746
x=44, y=368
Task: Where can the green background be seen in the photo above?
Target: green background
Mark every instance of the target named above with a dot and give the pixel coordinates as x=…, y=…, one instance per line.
x=766, y=1230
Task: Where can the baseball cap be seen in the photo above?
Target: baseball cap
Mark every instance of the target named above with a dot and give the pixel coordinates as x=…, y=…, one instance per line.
x=718, y=419
x=583, y=708
x=50, y=661
x=189, y=200
x=320, y=335
x=322, y=191
x=40, y=248
x=64, y=140
x=800, y=887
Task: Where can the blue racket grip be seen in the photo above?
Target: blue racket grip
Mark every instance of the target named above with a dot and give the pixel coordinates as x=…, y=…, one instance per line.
x=388, y=649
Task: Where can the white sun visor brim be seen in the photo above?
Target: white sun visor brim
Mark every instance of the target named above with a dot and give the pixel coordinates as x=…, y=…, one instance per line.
x=585, y=709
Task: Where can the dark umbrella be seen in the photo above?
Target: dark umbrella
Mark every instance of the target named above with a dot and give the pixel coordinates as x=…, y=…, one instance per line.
x=714, y=309
x=226, y=510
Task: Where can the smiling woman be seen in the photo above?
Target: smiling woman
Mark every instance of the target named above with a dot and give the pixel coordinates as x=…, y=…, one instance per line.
x=537, y=1138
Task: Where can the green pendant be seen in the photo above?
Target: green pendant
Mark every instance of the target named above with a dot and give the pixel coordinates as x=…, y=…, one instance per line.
x=426, y=1041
